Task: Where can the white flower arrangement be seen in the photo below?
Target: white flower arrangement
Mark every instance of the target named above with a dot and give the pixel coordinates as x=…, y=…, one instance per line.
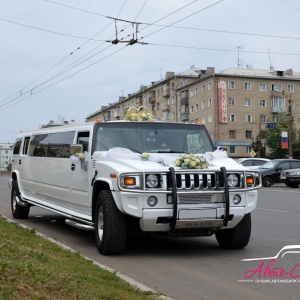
x=191, y=161
x=139, y=115
x=144, y=156
x=80, y=156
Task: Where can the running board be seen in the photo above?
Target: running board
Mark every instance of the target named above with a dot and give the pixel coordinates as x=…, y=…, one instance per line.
x=80, y=225
x=21, y=203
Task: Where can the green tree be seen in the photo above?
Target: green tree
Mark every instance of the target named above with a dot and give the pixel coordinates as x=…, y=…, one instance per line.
x=273, y=138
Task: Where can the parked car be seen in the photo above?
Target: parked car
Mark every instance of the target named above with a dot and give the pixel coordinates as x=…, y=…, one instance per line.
x=291, y=177
x=271, y=170
x=252, y=163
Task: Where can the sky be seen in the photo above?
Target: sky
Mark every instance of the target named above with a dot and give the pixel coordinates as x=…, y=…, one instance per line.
x=57, y=60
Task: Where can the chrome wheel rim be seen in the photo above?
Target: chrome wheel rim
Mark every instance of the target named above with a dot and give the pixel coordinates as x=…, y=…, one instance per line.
x=100, y=224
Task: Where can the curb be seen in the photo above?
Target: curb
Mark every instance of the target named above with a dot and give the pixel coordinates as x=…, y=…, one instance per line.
x=124, y=277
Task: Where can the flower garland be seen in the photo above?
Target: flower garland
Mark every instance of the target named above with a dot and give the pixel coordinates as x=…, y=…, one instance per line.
x=80, y=156
x=144, y=156
x=139, y=115
x=191, y=161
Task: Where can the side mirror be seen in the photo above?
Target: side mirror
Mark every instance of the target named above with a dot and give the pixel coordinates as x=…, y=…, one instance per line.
x=76, y=148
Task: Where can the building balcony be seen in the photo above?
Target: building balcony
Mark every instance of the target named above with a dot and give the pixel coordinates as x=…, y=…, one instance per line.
x=166, y=107
x=184, y=100
x=184, y=116
x=152, y=99
x=277, y=109
x=166, y=93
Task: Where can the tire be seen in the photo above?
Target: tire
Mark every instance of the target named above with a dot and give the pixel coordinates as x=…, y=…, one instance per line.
x=294, y=185
x=111, y=225
x=288, y=184
x=237, y=237
x=18, y=211
x=267, y=181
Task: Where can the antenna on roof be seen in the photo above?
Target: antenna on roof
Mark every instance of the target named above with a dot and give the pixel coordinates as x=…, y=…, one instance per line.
x=271, y=67
x=239, y=62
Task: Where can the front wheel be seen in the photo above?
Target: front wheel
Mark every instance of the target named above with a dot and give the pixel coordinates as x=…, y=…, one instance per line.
x=111, y=225
x=294, y=185
x=18, y=211
x=267, y=181
x=237, y=237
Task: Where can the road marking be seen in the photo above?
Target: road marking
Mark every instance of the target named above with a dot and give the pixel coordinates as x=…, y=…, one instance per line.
x=273, y=210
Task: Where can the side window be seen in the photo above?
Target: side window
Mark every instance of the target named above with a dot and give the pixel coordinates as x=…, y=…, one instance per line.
x=295, y=164
x=284, y=165
x=59, y=144
x=83, y=139
x=247, y=163
x=17, y=146
x=26, y=145
x=39, y=144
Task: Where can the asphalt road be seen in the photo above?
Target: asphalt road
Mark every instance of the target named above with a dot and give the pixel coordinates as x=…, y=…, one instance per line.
x=196, y=268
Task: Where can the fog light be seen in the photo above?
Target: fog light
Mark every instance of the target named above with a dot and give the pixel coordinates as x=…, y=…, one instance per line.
x=152, y=201
x=236, y=199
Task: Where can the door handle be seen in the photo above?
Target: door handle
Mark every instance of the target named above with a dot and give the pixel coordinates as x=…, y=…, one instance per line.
x=72, y=167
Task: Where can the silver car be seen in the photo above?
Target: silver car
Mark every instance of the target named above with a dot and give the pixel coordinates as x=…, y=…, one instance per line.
x=252, y=163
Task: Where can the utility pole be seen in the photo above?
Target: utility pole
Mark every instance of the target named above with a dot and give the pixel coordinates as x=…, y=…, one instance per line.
x=290, y=117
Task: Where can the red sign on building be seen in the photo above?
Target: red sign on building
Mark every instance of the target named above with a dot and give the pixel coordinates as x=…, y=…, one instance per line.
x=222, y=102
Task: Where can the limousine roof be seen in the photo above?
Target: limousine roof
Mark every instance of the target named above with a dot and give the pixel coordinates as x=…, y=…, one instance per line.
x=84, y=126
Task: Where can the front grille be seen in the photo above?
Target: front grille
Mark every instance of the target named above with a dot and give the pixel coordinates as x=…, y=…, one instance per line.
x=198, y=181
x=194, y=199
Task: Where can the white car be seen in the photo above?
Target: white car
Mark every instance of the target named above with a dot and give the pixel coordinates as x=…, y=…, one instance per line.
x=252, y=163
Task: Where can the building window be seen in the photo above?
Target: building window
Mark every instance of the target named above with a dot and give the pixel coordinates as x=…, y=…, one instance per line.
x=248, y=118
x=231, y=101
x=192, y=108
x=247, y=102
x=277, y=87
x=191, y=93
x=248, y=134
x=278, y=101
x=274, y=119
x=209, y=119
x=248, y=86
x=196, y=91
x=263, y=118
x=203, y=88
x=158, y=106
x=232, y=134
x=196, y=107
x=290, y=88
x=173, y=115
x=232, y=150
x=209, y=103
x=231, y=85
x=262, y=87
x=262, y=103
x=203, y=120
x=232, y=118
x=203, y=104
x=248, y=150
x=209, y=86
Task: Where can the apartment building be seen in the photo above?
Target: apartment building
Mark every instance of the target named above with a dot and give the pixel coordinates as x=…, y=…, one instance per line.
x=234, y=104
x=6, y=153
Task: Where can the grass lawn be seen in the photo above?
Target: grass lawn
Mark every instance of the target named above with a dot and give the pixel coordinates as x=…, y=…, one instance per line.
x=32, y=267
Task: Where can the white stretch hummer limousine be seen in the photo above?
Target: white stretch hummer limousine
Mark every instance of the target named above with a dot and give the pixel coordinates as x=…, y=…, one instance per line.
x=119, y=176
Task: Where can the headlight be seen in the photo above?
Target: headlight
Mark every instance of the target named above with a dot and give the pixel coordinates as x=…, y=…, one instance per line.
x=131, y=181
x=233, y=180
x=152, y=181
x=294, y=173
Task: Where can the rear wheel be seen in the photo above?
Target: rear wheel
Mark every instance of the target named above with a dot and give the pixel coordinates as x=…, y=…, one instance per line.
x=111, y=225
x=287, y=184
x=18, y=211
x=237, y=237
x=267, y=181
x=294, y=185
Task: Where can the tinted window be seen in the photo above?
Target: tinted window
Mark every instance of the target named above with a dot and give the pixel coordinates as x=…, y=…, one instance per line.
x=83, y=139
x=39, y=145
x=284, y=165
x=17, y=146
x=26, y=146
x=52, y=145
x=258, y=162
x=295, y=164
x=247, y=163
x=59, y=144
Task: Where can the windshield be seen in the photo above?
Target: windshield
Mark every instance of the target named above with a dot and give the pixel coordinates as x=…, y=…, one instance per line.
x=152, y=137
x=269, y=165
